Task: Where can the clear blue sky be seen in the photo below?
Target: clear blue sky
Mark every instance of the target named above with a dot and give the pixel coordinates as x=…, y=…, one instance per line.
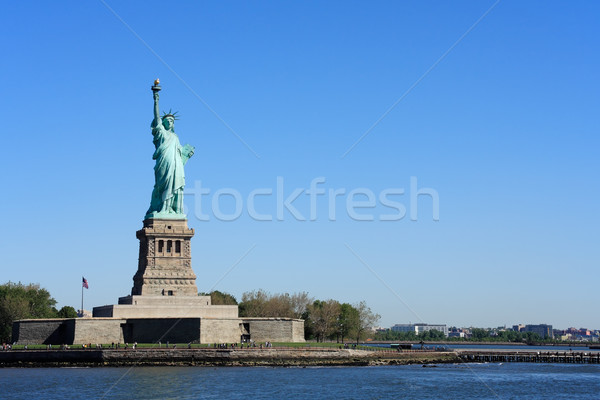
x=504, y=128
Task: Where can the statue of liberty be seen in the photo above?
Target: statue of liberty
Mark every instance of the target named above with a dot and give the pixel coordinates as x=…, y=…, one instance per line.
x=170, y=156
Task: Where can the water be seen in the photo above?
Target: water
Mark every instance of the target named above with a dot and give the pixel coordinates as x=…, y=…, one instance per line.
x=465, y=381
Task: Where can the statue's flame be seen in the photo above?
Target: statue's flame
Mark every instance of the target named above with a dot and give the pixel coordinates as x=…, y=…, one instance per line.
x=156, y=82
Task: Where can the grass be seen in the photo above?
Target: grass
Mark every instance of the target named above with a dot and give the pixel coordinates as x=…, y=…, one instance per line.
x=328, y=345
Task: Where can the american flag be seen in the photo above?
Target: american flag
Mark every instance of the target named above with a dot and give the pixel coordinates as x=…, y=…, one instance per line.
x=85, y=284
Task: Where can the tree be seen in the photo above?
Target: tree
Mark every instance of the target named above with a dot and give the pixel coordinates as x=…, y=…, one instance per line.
x=510, y=336
x=389, y=334
x=532, y=337
x=347, y=321
x=259, y=303
x=279, y=305
x=67, y=312
x=253, y=303
x=11, y=309
x=19, y=301
x=366, y=320
x=432, y=335
x=479, y=334
x=299, y=303
x=218, y=298
x=322, y=317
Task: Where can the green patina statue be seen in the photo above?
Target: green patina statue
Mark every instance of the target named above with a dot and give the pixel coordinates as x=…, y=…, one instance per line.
x=170, y=156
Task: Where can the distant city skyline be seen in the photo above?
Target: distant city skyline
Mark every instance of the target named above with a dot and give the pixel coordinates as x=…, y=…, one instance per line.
x=489, y=105
x=402, y=324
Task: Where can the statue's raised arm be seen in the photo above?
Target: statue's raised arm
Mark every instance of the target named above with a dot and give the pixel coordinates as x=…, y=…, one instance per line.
x=155, y=89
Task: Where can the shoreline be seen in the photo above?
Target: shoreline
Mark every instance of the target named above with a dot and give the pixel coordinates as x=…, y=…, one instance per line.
x=274, y=357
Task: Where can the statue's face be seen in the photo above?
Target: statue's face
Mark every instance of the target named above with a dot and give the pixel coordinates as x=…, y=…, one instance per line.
x=168, y=123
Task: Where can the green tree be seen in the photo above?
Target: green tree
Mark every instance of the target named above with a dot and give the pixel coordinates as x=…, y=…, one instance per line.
x=19, y=301
x=347, y=322
x=408, y=336
x=67, y=312
x=532, y=337
x=479, y=334
x=432, y=335
x=309, y=333
x=389, y=334
x=510, y=336
x=218, y=298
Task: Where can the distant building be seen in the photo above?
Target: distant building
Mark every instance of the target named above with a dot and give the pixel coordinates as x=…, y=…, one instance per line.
x=455, y=332
x=518, y=328
x=419, y=328
x=574, y=334
x=432, y=327
x=403, y=328
x=556, y=333
x=544, y=330
x=572, y=331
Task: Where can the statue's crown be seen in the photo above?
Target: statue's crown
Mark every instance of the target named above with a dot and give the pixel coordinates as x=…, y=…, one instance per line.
x=171, y=114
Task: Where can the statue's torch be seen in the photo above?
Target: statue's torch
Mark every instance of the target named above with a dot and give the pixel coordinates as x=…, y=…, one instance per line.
x=156, y=87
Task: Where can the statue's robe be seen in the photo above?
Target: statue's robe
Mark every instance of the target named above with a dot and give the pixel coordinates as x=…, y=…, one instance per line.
x=167, y=196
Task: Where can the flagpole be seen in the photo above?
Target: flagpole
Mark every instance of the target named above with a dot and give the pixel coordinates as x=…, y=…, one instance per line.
x=82, y=299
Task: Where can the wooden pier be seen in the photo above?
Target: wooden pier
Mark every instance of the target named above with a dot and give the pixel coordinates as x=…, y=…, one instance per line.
x=558, y=357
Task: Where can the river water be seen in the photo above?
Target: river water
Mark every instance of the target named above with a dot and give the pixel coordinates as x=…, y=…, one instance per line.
x=464, y=381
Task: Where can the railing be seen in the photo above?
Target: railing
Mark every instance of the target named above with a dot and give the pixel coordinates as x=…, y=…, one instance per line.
x=577, y=357
x=236, y=347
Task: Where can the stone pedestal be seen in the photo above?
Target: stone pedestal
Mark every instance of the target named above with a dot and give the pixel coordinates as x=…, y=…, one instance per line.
x=166, y=307
x=164, y=304
x=165, y=260
x=164, y=285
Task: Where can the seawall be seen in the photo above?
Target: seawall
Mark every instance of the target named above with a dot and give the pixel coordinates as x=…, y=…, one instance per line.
x=219, y=357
